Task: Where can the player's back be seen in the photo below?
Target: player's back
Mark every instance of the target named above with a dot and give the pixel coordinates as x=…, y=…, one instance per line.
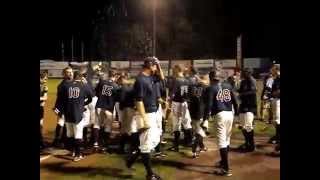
x=180, y=89
x=221, y=94
x=126, y=96
x=196, y=100
x=106, y=92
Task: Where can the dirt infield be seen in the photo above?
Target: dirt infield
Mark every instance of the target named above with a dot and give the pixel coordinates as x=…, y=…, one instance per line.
x=258, y=165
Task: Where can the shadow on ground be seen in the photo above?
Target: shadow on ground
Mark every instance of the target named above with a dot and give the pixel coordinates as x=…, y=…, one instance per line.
x=86, y=171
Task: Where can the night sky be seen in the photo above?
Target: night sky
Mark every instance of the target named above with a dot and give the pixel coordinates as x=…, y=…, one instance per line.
x=258, y=21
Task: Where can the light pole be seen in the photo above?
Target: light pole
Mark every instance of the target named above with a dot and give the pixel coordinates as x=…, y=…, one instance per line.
x=154, y=28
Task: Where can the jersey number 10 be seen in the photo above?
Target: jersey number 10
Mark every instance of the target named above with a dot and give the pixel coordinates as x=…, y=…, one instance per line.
x=74, y=92
x=224, y=95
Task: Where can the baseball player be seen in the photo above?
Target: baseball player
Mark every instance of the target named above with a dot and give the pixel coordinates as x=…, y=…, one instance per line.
x=162, y=103
x=43, y=99
x=60, y=131
x=106, y=92
x=75, y=96
x=219, y=102
x=196, y=107
x=146, y=103
x=89, y=115
x=178, y=94
x=266, y=98
x=128, y=130
x=275, y=92
x=247, y=109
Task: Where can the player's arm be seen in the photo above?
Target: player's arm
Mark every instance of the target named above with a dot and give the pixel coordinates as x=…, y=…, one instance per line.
x=45, y=94
x=159, y=70
x=234, y=103
x=59, y=103
x=139, y=93
x=88, y=94
x=208, y=102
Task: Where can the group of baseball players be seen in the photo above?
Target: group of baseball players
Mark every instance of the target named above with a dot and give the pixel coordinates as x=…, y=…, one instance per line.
x=142, y=108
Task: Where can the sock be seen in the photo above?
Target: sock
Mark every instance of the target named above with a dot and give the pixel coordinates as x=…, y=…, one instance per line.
x=163, y=125
x=246, y=140
x=85, y=135
x=135, y=142
x=95, y=135
x=188, y=136
x=123, y=141
x=251, y=139
x=77, y=145
x=57, y=132
x=41, y=137
x=106, y=137
x=201, y=141
x=64, y=134
x=157, y=148
x=176, y=139
x=224, y=158
x=195, y=143
x=278, y=133
x=147, y=163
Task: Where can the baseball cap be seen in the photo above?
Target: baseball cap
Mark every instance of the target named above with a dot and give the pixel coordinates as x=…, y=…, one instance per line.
x=149, y=61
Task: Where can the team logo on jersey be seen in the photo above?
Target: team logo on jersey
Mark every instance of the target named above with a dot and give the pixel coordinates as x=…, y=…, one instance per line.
x=107, y=90
x=224, y=95
x=74, y=92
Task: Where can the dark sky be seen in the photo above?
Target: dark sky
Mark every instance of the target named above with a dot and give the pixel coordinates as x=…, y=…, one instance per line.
x=258, y=21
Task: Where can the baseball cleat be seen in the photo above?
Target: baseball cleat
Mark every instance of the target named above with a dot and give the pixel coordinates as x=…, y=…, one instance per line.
x=203, y=149
x=195, y=155
x=78, y=158
x=223, y=172
x=175, y=149
x=153, y=177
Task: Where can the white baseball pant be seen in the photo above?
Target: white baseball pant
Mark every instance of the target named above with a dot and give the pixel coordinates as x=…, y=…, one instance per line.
x=181, y=116
x=246, y=120
x=276, y=110
x=105, y=119
x=159, y=119
x=196, y=126
x=223, y=124
x=150, y=138
x=75, y=130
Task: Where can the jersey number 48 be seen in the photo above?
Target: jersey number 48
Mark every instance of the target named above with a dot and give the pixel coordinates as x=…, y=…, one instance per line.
x=224, y=95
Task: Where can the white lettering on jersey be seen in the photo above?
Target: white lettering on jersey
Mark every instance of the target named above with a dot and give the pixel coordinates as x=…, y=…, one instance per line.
x=74, y=92
x=107, y=90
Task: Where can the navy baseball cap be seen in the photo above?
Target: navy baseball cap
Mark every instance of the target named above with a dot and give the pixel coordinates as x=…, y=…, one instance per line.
x=149, y=61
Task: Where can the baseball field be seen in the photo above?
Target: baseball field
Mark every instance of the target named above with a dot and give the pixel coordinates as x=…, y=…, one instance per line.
x=55, y=164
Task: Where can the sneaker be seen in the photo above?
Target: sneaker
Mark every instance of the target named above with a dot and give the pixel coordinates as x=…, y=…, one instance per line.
x=96, y=145
x=153, y=177
x=163, y=142
x=73, y=154
x=175, y=149
x=78, y=158
x=195, y=155
x=203, y=149
x=223, y=172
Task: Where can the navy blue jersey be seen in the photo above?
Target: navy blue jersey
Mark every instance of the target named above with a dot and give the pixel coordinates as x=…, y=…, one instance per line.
x=219, y=97
x=276, y=87
x=106, y=91
x=59, y=102
x=146, y=91
x=75, y=95
x=196, y=100
x=126, y=97
x=248, y=96
x=179, y=89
